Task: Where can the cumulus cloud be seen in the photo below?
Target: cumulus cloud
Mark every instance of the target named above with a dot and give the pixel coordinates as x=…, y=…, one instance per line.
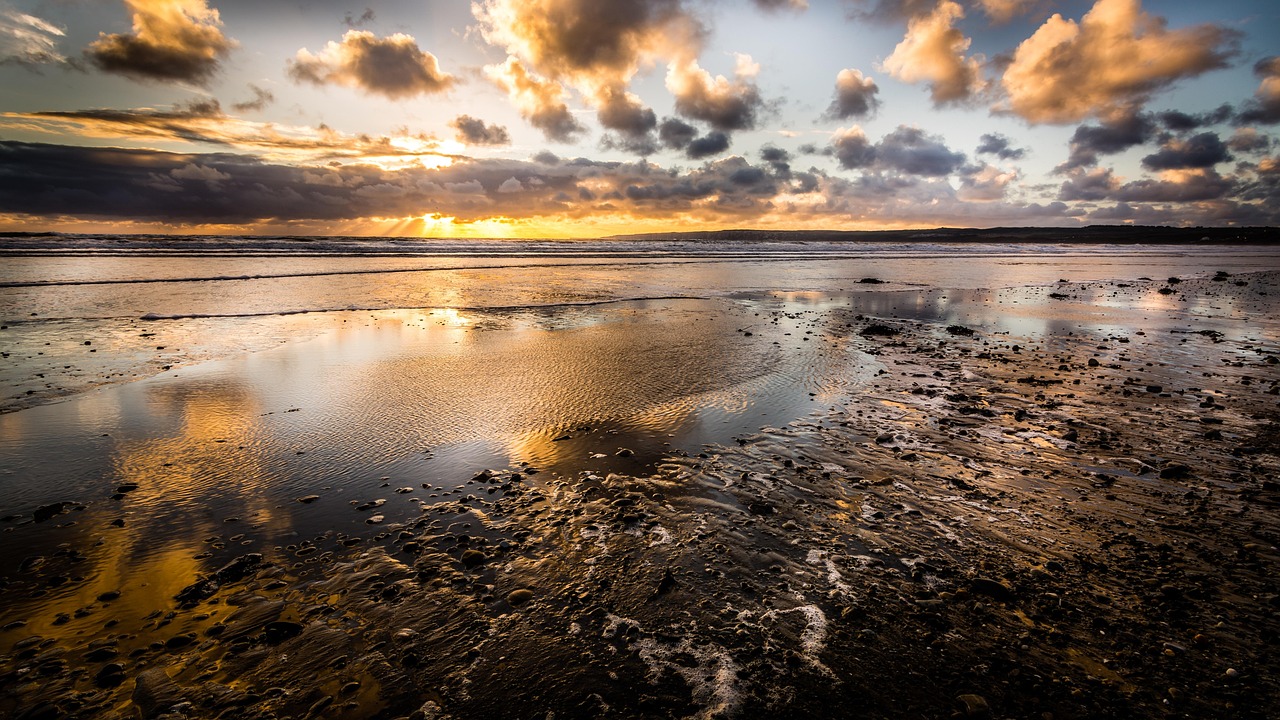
x=172, y=41
x=1265, y=107
x=933, y=52
x=891, y=10
x=1108, y=64
x=713, y=143
x=723, y=103
x=1249, y=140
x=28, y=40
x=474, y=131
x=1111, y=137
x=1000, y=146
x=855, y=96
x=394, y=66
x=1179, y=121
x=1002, y=11
x=261, y=99
x=367, y=16
x=1199, y=151
x=676, y=134
x=1090, y=185
x=595, y=47
x=540, y=101
x=914, y=152
x=852, y=148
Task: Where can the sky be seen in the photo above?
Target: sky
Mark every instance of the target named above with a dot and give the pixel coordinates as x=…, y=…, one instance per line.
x=586, y=118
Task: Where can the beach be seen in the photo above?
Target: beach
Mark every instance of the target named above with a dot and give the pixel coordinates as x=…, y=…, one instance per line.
x=739, y=481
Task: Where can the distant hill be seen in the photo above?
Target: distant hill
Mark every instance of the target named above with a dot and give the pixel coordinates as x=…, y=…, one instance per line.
x=1109, y=234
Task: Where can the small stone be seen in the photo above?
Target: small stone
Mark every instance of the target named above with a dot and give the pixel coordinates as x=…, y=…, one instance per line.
x=624, y=452
x=520, y=597
x=1231, y=674
x=1175, y=471
x=992, y=588
x=109, y=596
x=974, y=705
x=473, y=558
x=307, y=499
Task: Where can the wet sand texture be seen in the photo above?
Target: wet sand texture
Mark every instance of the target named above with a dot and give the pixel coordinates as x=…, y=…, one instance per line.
x=1075, y=523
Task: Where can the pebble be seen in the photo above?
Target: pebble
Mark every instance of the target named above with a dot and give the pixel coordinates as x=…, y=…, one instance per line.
x=308, y=498
x=520, y=597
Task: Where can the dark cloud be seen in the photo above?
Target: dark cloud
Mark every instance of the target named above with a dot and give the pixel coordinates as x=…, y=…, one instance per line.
x=1207, y=185
x=855, y=96
x=713, y=143
x=779, y=160
x=1178, y=121
x=1090, y=141
x=726, y=105
x=852, y=149
x=1000, y=146
x=367, y=16
x=625, y=113
x=1091, y=186
x=889, y=11
x=474, y=131
x=394, y=66
x=261, y=99
x=1199, y=151
x=1249, y=140
x=1264, y=108
x=172, y=41
x=910, y=150
x=676, y=134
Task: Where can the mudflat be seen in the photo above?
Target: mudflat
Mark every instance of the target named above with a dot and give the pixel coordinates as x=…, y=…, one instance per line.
x=1053, y=501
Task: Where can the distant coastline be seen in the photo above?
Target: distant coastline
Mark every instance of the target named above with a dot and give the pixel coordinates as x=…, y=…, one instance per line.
x=1088, y=235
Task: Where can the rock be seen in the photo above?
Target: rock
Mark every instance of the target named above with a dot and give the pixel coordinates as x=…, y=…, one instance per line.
x=374, y=519
x=109, y=596
x=974, y=705
x=992, y=588
x=1093, y=362
x=177, y=642
x=278, y=631
x=960, y=330
x=878, y=330
x=101, y=654
x=520, y=597
x=233, y=571
x=111, y=675
x=624, y=452
x=1175, y=471
x=307, y=499
x=473, y=558
x=46, y=512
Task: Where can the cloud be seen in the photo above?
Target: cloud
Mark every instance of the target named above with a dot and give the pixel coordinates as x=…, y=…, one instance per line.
x=261, y=99
x=540, y=101
x=985, y=184
x=474, y=131
x=172, y=41
x=852, y=148
x=1113, y=136
x=1002, y=11
x=912, y=151
x=887, y=11
x=595, y=47
x=778, y=159
x=724, y=104
x=367, y=16
x=394, y=66
x=1000, y=146
x=1199, y=151
x=1249, y=140
x=1089, y=185
x=28, y=40
x=713, y=143
x=676, y=134
x=933, y=52
x=775, y=5
x=205, y=123
x=1178, y=187
x=855, y=96
x=1264, y=109
x=1179, y=121
x=1108, y=64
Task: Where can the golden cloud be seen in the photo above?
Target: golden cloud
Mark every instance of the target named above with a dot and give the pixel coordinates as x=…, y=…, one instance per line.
x=1108, y=64
x=539, y=101
x=172, y=40
x=933, y=51
x=394, y=66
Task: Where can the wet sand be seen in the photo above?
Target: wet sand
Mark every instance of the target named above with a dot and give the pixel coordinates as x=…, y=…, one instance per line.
x=1055, y=501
